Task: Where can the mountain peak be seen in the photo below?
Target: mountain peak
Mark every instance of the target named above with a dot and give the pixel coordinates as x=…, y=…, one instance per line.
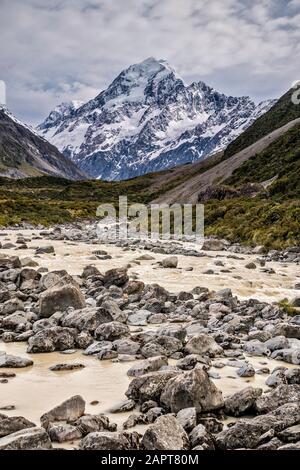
x=147, y=120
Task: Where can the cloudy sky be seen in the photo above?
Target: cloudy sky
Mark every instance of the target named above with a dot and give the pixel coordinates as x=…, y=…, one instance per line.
x=56, y=50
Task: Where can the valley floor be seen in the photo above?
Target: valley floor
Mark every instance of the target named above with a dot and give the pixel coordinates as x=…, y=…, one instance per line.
x=37, y=389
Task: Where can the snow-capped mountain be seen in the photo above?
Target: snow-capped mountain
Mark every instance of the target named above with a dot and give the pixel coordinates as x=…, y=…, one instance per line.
x=147, y=120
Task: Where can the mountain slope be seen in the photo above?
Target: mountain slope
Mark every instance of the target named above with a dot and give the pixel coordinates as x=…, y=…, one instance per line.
x=188, y=191
x=283, y=112
x=279, y=164
x=148, y=120
x=24, y=153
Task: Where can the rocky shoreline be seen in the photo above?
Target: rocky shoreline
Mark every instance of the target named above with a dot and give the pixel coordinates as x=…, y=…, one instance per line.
x=175, y=344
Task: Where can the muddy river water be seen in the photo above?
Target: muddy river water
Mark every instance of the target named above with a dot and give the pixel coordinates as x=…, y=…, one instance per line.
x=37, y=389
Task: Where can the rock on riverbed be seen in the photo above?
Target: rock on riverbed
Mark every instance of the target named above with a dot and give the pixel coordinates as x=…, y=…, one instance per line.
x=174, y=342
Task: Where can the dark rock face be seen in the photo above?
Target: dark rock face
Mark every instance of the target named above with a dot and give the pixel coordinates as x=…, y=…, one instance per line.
x=24, y=152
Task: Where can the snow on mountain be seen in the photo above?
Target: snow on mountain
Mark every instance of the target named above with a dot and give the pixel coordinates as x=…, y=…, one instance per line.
x=148, y=120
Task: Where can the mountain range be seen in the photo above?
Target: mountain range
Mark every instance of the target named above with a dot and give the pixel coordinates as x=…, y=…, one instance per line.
x=148, y=120
x=250, y=190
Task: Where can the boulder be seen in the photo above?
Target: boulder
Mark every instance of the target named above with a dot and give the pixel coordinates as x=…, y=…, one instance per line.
x=278, y=342
x=126, y=346
x=170, y=262
x=249, y=433
x=110, y=441
x=11, y=306
x=7, y=360
x=192, y=389
x=87, y=319
x=26, y=439
x=201, y=437
x=256, y=348
x=289, y=330
x=187, y=418
x=242, y=401
x=161, y=346
x=149, y=365
x=93, y=423
x=124, y=406
x=165, y=434
x=246, y=370
x=66, y=367
x=59, y=299
x=63, y=432
x=11, y=424
x=203, y=345
x=47, y=249
x=111, y=331
x=291, y=434
x=116, y=277
x=133, y=287
x=91, y=271
x=57, y=279
x=281, y=395
x=139, y=318
x=214, y=245
x=149, y=386
x=69, y=410
x=52, y=339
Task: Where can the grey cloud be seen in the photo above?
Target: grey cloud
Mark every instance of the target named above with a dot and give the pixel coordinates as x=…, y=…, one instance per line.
x=66, y=49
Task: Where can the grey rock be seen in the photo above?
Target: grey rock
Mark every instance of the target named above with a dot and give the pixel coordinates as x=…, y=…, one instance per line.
x=69, y=410
x=26, y=439
x=203, y=344
x=149, y=386
x=8, y=360
x=170, y=262
x=149, y=365
x=52, y=339
x=242, y=401
x=187, y=418
x=201, y=437
x=11, y=424
x=109, y=441
x=63, y=432
x=165, y=434
x=124, y=406
x=246, y=371
x=111, y=331
x=192, y=389
x=59, y=299
x=281, y=395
